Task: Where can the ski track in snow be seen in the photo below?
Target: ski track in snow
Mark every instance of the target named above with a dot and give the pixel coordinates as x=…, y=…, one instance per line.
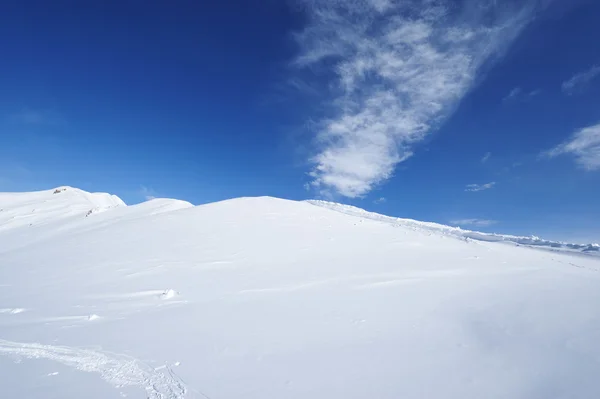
x=117, y=370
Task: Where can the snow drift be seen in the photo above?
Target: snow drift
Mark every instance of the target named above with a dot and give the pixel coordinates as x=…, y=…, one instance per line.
x=268, y=298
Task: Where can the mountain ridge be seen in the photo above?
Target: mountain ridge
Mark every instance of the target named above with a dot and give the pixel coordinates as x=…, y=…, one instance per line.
x=85, y=204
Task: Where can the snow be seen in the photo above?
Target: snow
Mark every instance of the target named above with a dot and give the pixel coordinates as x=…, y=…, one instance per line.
x=533, y=241
x=269, y=298
x=20, y=209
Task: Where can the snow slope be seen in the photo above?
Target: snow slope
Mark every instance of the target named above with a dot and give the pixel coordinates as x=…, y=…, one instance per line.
x=269, y=298
x=593, y=248
x=43, y=207
x=28, y=217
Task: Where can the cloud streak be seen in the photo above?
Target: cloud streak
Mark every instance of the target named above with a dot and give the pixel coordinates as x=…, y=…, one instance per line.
x=395, y=69
x=147, y=193
x=517, y=94
x=480, y=187
x=579, y=81
x=36, y=117
x=584, y=145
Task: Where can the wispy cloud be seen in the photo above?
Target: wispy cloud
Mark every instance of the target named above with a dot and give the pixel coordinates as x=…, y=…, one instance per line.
x=485, y=158
x=397, y=68
x=380, y=200
x=513, y=93
x=534, y=93
x=147, y=193
x=584, y=145
x=480, y=187
x=517, y=94
x=473, y=222
x=302, y=86
x=14, y=175
x=36, y=117
x=579, y=81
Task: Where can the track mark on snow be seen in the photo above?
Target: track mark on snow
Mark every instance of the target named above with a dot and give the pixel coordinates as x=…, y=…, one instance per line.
x=288, y=288
x=90, y=317
x=161, y=294
x=117, y=370
x=219, y=262
x=395, y=282
x=12, y=310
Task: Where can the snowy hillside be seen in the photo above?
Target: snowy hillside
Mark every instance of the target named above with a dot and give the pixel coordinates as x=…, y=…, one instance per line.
x=23, y=209
x=269, y=298
x=536, y=242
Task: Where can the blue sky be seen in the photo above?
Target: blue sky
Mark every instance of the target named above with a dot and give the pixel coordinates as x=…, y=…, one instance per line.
x=483, y=114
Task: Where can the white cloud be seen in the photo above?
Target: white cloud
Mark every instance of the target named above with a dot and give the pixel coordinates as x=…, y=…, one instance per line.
x=584, y=145
x=473, y=222
x=397, y=68
x=480, y=187
x=517, y=94
x=147, y=193
x=380, y=200
x=485, y=158
x=534, y=93
x=513, y=93
x=578, y=82
x=36, y=117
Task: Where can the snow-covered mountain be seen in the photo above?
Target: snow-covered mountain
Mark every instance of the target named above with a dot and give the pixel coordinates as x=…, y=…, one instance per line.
x=269, y=298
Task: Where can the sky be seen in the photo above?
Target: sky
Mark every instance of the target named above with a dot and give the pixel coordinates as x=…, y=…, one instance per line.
x=479, y=114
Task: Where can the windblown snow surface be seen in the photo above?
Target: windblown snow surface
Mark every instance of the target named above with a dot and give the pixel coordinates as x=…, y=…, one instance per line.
x=269, y=298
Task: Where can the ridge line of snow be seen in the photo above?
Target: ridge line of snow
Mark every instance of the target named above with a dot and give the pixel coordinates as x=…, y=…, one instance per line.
x=457, y=232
